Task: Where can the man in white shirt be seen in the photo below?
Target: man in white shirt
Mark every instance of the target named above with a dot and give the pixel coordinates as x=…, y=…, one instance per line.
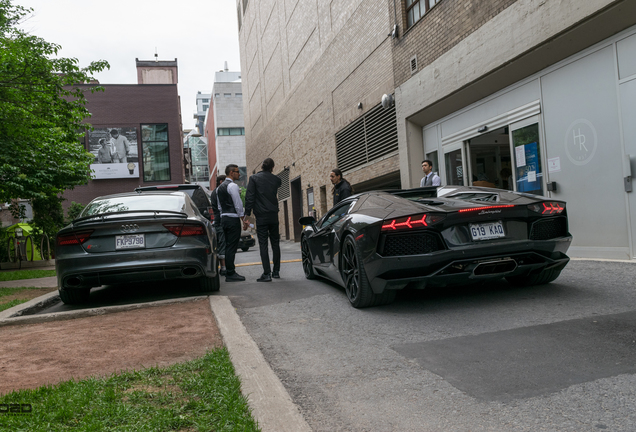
x=430, y=178
x=231, y=207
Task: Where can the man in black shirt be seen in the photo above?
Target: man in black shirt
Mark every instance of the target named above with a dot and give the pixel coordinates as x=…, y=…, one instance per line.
x=341, y=187
x=261, y=197
x=220, y=236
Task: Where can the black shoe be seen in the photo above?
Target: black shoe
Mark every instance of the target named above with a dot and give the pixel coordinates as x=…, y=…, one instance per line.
x=234, y=278
x=222, y=272
x=264, y=278
x=276, y=275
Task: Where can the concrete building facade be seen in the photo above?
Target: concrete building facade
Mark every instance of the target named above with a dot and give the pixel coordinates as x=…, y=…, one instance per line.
x=225, y=126
x=203, y=105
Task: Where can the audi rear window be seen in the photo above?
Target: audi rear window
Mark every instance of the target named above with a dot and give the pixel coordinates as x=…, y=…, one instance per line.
x=136, y=202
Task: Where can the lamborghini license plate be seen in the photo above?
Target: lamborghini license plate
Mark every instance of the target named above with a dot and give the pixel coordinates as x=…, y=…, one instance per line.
x=487, y=231
x=130, y=241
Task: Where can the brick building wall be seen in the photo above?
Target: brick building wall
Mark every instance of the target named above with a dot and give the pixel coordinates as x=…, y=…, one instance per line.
x=444, y=26
x=306, y=66
x=132, y=106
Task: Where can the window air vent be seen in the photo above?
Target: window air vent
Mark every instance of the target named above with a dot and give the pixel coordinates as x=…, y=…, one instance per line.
x=413, y=64
x=283, y=191
x=368, y=138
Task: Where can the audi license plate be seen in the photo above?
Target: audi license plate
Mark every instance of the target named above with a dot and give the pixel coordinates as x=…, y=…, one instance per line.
x=487, y=231
x=130, y=241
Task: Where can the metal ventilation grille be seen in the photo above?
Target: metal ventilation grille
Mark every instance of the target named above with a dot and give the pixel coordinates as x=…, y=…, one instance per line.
x=413, y=64
x=368, y=138
x=411, y=244
x=283, y=191
x=547, y=229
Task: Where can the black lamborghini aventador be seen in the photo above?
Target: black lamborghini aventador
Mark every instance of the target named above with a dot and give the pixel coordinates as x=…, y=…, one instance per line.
x=377, y=242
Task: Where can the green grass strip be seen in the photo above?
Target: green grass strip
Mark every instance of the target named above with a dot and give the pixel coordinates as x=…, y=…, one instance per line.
x=199, y=395
x=5, y=306
x=25, y=274
x=10, y=291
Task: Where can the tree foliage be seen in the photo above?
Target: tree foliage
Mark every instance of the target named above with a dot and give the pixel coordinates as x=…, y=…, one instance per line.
x=42, y=113
x=74, y=211
x=48, y=215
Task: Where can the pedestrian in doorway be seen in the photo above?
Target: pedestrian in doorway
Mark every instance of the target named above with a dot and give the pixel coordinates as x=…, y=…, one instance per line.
x=341, y=187
x=229, y=202
x=220, y=237
x=430, y=178
x=261, y=197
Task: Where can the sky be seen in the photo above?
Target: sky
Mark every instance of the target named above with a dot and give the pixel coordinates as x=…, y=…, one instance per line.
x=200, y=34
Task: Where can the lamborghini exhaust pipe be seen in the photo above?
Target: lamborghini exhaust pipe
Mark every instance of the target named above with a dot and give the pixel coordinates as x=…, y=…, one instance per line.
x=495, y=267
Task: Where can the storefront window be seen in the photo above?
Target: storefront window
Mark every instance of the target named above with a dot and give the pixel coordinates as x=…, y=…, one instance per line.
x=454, y=168
x=156, y=155
x=528, y=159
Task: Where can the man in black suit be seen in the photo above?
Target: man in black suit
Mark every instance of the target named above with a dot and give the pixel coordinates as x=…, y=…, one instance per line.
x=261, y=198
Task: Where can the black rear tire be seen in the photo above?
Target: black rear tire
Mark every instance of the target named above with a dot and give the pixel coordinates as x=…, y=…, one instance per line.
x=75, y=296
x=245, y=249
x=308, y=265
x=209, y=284
x=540, y=278
x=357, y=286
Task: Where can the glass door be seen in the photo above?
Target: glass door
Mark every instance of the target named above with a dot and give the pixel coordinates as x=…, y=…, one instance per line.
x=454, y=156
x=489, y=160
x=526, y=152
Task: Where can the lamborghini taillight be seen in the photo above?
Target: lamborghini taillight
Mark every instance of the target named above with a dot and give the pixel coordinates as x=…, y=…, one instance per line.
x=485, y=208
x=548, y=208
x=411, y=222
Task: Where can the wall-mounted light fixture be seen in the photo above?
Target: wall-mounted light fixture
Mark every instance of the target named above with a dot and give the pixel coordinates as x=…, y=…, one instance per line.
x=359, y=105
x=394, y=32
x=482, y=129
x=293, y=164
x=286, y=168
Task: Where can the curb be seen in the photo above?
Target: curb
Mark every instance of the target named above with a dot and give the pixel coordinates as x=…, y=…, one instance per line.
x=36, y=303
x=271, y=405
x=62, y=316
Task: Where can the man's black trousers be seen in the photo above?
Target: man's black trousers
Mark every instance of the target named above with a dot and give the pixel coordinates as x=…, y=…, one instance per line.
x=265, y=230
x=232, y=230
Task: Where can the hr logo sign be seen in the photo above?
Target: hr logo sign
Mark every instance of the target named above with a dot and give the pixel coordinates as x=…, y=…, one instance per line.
x=579, y=139
x=581, y=142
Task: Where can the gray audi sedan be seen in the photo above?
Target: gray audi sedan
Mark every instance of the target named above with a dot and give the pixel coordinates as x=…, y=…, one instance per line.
x=136, y=237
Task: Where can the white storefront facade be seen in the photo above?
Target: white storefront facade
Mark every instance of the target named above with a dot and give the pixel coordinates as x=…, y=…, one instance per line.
x=568, y=131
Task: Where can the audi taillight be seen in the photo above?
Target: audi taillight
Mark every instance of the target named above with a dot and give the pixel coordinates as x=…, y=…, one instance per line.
x=411, y=222
x=548, y=208
x=181, y=230
x=74, y=238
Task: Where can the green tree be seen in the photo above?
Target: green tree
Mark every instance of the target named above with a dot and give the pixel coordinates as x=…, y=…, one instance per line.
x=42, y=113
x=73, y=211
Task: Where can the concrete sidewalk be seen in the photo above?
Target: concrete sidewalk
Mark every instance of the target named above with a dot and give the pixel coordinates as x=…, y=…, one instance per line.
x=269, y=401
